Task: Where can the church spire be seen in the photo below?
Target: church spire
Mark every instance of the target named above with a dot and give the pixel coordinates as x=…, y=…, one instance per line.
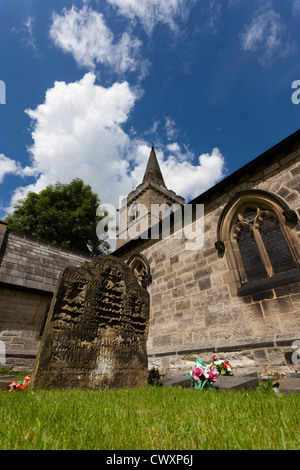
x=137, y=214
x=153, y=170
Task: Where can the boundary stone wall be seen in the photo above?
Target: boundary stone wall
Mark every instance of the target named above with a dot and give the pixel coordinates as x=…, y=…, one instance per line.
x=29, y=270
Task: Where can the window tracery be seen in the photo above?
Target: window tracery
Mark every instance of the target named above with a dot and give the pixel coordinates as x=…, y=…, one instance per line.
x=263, y=247
x=141, y=269
x=256, y=233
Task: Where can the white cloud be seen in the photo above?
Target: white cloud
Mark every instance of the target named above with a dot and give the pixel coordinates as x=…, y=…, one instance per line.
x=8, y=166
x=212, y=12
x=174, y=147
x=186, y=178
x=84, y=34
x=190, y=180
x=265, y=36
x=152, y=12
x=78, y=132
x=30, y=40
x=296, y=7
x=27, y=36
x=170, y=128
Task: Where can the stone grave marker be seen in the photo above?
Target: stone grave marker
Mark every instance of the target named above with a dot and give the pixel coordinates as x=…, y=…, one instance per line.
x=96, y=330
x=222, y=383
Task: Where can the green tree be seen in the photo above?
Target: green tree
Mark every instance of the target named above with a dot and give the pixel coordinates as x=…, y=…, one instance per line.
x=62, y=214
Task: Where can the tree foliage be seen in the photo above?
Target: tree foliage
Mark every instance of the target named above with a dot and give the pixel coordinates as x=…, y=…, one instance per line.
x=62, y=214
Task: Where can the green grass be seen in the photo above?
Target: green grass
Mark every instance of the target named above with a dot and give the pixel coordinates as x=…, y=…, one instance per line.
x=151, y=418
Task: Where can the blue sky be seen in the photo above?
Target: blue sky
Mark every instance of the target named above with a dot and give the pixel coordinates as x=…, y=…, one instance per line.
x=91, y=84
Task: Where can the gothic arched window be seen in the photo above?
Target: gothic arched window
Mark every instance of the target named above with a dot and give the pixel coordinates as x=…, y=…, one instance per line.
x=262, y=244
x=141, y=269
x=256, y=232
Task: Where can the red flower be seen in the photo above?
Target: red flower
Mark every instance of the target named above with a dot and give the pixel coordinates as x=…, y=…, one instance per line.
x=18, y=386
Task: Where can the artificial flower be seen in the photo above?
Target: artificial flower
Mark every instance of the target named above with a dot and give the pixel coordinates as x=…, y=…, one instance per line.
x=15, y=386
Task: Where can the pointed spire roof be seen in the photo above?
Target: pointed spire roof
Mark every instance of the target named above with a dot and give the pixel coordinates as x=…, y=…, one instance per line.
x=153, y=170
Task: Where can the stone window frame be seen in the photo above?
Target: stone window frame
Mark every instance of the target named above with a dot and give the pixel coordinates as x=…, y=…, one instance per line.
x=227, y=242
x=139, y=264
x=133, y=213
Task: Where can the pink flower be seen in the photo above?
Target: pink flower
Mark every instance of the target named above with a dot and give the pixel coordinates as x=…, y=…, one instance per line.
x=197, y=371
x=211, y=377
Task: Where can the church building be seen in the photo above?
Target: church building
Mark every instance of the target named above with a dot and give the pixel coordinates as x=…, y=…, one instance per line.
x=237, y=294
x=222, y=270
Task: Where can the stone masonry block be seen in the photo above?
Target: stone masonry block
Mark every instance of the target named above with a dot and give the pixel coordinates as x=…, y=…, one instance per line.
x=260, y=357
x=160, y=341
x=201, y=273
x=276, y=357
x=178, y=292
x=183, y=305
x=279, y=306
x=204, y=284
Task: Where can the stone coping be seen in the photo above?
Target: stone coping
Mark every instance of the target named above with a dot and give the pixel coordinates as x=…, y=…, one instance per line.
x=289, y=383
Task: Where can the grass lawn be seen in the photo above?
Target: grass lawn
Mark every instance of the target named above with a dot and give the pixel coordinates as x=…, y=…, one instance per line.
x=151, y=418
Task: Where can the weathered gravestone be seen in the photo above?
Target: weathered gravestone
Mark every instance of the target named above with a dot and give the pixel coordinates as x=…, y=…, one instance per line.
x=96, y=331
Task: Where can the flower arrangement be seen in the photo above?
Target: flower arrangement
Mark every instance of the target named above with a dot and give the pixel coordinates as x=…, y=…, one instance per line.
x=19, y=386
x=203, y=376
x=222, y=366
x=153, y=376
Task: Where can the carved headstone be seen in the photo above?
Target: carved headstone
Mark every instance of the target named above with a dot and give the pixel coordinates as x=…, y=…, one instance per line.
x=96, y=331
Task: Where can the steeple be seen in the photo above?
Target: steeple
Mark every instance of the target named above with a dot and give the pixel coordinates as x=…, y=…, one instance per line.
x=147, y=204
x=153, y=171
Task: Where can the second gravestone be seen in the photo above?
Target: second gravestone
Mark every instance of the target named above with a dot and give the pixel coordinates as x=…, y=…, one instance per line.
x=96, y=331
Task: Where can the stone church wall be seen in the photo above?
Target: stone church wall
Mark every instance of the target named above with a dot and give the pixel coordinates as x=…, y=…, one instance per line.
x=195, y=310
x=22, y=318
